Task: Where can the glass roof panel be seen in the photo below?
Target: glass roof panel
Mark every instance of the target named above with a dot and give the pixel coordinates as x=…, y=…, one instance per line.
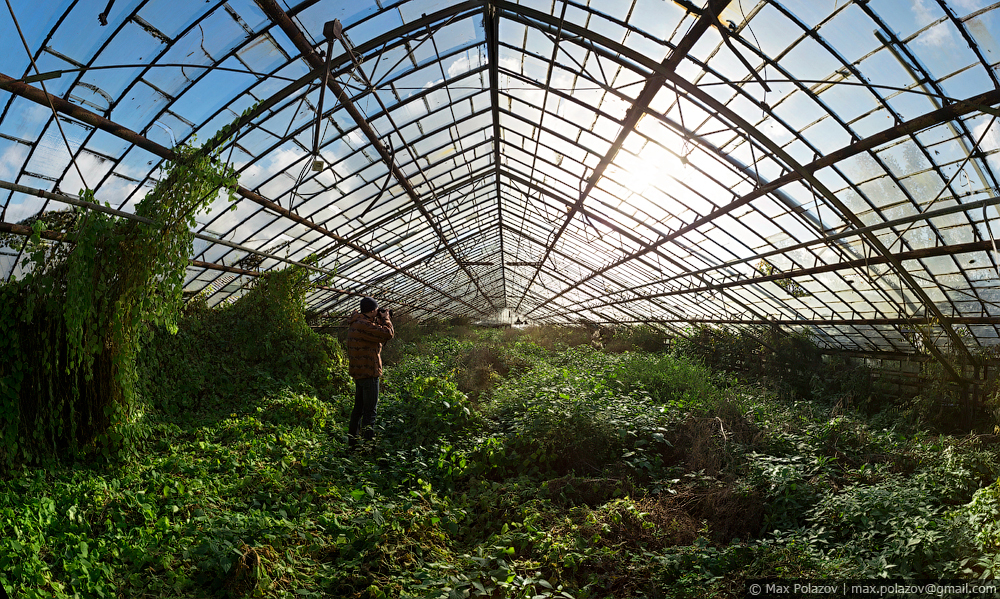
x=589, y=166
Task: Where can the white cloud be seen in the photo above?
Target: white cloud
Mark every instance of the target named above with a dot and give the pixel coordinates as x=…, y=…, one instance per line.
x=94, y=169
x=470, y=60
x=991, y=139
x=937, y=36
x=12, y=160
x=18, y=211
x=266, y=167
x=428, y=85
x=971, y=5
x=116, y=190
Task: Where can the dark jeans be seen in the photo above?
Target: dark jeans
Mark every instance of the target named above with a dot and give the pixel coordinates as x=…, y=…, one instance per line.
x=363, y=415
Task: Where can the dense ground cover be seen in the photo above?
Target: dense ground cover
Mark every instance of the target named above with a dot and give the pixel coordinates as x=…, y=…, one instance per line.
x=509, y=464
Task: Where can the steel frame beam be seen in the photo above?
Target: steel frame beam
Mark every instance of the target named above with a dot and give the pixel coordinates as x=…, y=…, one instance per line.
x=257, y=274
x=777, y=193
x=952, y=111
x=834, y=201
x=801, y=172
x=555, y=274
x=491, y=20
x=963, y=248
x=933, y=97
x=55, y=236
x=313, y=59
x=842, y=235
x=600, y=218
x=821, y=322
x=624, y=232
x=652, y=86
x=517, y=177
x=36, y=95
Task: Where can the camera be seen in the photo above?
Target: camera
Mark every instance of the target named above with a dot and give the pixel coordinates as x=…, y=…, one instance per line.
x=385, y=311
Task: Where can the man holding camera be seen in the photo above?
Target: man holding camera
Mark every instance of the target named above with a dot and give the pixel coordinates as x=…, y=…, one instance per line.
x=368, y=330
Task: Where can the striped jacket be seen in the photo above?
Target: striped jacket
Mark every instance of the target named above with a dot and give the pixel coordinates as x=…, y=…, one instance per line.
x=365, y=337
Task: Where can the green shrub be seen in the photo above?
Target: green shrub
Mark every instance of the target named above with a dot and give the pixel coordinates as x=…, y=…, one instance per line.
x=893, y=528
x=291, y=409
x=256, y=344
x=981, y=517
x=641, y=337
x=556, y=338
x=674, y=380
x=427, y=410
x=763, y=354
x=574, y=415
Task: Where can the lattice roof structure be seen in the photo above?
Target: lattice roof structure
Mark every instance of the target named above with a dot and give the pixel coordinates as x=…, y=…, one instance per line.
x=831, y=165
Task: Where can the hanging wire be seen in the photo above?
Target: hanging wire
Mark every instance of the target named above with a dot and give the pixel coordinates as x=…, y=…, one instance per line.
x=55, y=115
x=756, y=41
x=295, y=190
x=684, y=131
x=753, y=158
x=815, y=196
x=388, y=176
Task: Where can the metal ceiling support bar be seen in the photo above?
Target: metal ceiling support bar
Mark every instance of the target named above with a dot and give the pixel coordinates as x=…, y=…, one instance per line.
x=846, y=212
x=38, y=96
x=844, y=234
x=492, y=21
x=822, y=322
x=74, y=201
x=690, y=136
x=952, y=111
x=961, y=137
x=22, y=230
x=54, y=236
x=621, y=230
x=951, y=250
x=558, y=276
x=625, y=232
x=723, y=110
x=635, y=112
x=258, y=109
x=880, y=355
x=284, y=22
x=847, y=70
x=27, y=232
x=256, y=273
x=400, y=35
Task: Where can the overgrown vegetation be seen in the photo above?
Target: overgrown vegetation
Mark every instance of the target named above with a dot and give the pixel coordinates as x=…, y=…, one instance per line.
x=509, y=464
x=71, y=327
x=246, y=348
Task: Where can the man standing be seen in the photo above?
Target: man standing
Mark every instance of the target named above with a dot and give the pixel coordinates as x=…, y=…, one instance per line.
x=368, y=330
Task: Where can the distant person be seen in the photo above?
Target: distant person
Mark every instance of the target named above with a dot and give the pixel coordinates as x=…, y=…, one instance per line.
x=368, y=330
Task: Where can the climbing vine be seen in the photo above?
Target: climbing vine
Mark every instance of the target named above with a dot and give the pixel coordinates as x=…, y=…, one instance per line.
x=793, y=289
x=70, y=328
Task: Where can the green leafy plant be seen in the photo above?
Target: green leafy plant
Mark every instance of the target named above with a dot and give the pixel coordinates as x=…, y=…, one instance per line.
x=580, y=473
x=72, y=326
x=259, y=342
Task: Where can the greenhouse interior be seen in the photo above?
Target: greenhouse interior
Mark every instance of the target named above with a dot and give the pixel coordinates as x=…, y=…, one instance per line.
x=675, y=297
